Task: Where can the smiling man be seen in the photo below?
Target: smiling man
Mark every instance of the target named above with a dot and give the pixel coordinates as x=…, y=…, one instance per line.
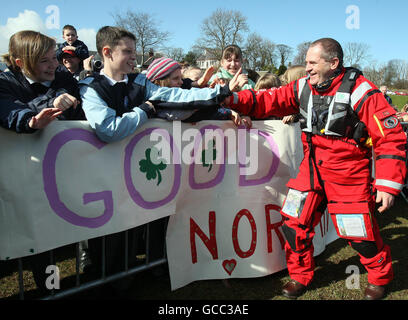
x=72, y=63
x=341, y=112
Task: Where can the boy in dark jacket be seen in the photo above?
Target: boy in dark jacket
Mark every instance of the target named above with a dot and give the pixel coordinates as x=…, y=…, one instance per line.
x=69, y=34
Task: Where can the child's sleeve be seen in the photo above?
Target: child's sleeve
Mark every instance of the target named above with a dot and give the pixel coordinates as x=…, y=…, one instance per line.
x=178, y=98
x=211, y=114
x=107, y=125
x=81, y=51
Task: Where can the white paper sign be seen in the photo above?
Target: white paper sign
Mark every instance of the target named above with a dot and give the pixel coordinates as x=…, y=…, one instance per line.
x=223, y=188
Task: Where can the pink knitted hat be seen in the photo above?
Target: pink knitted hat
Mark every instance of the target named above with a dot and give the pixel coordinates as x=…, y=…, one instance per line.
x=160, y=68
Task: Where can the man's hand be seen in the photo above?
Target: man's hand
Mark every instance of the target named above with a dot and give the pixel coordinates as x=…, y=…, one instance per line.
x=42, y=119
x=87, y=63
x=386, y=198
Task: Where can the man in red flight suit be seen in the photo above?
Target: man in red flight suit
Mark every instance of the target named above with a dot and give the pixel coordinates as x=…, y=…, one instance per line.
x=340, y=109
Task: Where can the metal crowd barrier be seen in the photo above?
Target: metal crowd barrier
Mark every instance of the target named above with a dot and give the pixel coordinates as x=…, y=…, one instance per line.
x=104, y=279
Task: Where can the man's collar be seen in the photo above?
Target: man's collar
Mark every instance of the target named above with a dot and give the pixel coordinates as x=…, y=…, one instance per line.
x=328, y=83
x=112, y=82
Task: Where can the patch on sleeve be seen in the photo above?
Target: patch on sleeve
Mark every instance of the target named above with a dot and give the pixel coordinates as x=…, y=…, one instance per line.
x=390, y=122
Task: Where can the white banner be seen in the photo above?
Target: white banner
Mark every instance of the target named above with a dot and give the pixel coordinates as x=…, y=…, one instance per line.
x=62, y=185
x=232, y=227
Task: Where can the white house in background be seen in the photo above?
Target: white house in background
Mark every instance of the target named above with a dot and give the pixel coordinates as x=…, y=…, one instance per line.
x=207, y=60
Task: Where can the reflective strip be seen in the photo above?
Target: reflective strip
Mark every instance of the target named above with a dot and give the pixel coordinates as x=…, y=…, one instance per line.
x=330, y=117
x=379, y=125
x=359, y=92
x=303, y=113
x=388, y=183
x=235, y=95
x=309, y=114
x=338, y=115
x=302, y=83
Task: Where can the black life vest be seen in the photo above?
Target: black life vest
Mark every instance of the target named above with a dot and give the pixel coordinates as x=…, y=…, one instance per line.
x=331, y=115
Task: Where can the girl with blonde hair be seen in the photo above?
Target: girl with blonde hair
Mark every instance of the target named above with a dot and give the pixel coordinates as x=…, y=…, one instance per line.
x=293, y=73
x=267, y=81
x=32, y=93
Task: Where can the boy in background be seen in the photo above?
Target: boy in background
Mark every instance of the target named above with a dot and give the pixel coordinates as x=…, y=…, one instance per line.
x=69, y=34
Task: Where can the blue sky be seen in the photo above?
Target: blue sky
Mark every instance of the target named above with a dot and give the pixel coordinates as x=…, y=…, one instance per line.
x=382, y=24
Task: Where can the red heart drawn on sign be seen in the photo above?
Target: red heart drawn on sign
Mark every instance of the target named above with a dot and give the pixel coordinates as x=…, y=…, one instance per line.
x=229, y=265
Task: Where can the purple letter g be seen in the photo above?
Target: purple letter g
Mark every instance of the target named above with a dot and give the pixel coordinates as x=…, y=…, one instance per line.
x=50, y=181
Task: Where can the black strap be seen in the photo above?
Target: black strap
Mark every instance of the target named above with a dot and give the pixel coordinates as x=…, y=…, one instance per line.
x=312, y=157
x=369, y=94
x=254, y=99
x=387, y=156
x=295, y=91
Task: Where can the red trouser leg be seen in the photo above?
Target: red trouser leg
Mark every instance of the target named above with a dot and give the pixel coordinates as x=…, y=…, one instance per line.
x=374, y=255
x=299, y=233
x=379, y=266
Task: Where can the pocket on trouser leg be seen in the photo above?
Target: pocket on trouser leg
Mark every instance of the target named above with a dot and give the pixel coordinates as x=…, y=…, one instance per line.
x=300, y=205
x=352, y=220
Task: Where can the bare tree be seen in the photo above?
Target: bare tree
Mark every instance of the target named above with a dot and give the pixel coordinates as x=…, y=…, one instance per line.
x=176, y=54
x=355, y=53
x=260, y=53
x=222, y=28
x=375, y=73
x=397, y=73
x=144, y=27
x=300, y=57
x=284, y=53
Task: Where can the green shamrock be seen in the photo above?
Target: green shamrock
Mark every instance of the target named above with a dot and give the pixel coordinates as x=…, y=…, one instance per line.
x=209, y=154
x=152, y=169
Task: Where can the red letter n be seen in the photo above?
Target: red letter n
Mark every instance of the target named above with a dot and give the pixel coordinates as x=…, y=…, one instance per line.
x=210, y=243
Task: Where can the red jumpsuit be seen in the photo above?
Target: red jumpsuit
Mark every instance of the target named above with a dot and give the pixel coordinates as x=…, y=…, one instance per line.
x=336, y=172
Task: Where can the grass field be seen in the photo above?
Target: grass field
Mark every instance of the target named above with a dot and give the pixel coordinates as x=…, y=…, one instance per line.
x=399, y=101
x=329, y=282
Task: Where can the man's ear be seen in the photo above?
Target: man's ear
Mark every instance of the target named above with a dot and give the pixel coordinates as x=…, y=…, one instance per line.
x=334, y=63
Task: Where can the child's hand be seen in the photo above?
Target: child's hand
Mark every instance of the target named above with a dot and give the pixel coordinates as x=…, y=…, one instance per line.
x=288, y=119
x=246, y=121
x=69, y=48
x=42, y=119
x=242, y=80
x=65, y=101
x=202, y=82
x=234, y=84
x=216, y=81
x=236, y=118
